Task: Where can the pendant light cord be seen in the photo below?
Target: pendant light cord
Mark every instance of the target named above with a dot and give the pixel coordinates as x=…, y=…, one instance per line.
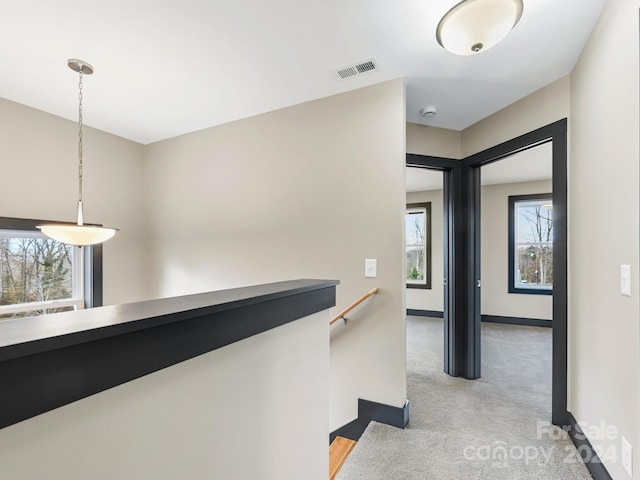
x=78, y=234
x=80, y=138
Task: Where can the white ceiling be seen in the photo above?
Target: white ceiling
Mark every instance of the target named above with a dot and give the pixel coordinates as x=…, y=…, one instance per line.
x=527, y=166
x=163, y=68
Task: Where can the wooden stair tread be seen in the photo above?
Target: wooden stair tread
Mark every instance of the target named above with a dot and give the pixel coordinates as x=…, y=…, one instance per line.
x=339, y=450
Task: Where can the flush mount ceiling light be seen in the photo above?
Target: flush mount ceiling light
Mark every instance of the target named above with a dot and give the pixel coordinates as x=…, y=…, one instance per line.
x=78, y=233
x=474, y=26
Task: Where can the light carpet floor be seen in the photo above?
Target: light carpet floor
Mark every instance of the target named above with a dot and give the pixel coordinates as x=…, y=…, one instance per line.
x=495, y=428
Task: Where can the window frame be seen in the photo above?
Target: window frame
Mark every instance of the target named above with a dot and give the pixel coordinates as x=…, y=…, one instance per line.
x=513, y=200
x=427, y=227
x=91, y=263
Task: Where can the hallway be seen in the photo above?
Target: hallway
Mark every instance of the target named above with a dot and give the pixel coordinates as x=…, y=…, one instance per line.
x=492, y=428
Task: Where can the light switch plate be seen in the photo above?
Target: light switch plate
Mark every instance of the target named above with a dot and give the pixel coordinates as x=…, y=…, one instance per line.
x=370, y=268
x=627, y=456
x=625, y=280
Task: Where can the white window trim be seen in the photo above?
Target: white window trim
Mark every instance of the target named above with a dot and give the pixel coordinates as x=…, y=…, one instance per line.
x=77, y=301
x=77, y=304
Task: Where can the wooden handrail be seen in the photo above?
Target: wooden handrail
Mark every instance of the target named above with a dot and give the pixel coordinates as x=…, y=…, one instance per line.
x=371, y=292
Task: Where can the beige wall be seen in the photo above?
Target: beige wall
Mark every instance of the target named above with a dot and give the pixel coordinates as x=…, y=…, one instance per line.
x=309, y=191
x=603, y=228
x=237, y=412
x=541, y=108
x=38, y=154
x=496, y=299
x=437, y=142
x=430, y=299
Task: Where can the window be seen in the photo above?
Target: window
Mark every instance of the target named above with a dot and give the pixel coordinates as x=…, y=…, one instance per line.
x=39, y=275
x=418, y=245
x=531, y=244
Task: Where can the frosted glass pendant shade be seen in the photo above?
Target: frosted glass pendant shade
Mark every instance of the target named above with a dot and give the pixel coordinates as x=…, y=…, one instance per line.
x=79, y=235
x=474, y=26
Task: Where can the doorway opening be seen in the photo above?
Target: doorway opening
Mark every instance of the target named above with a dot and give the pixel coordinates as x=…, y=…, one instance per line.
x=516, y=222
x=462, y=255
x=424, y=242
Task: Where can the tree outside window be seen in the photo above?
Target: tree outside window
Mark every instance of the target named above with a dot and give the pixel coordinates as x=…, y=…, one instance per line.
x=418, y=245
x=39, y=275
x=531, y=244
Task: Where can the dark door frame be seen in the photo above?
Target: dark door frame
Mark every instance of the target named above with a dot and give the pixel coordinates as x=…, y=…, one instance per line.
x=461, y=333
x=462, y=255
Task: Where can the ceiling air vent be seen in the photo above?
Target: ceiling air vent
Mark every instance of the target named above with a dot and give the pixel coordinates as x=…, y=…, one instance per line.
x=347, y=72
x=358, y=69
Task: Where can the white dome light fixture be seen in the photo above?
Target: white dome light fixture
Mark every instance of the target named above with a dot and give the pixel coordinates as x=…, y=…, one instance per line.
x=78, y=234
x=474, y=26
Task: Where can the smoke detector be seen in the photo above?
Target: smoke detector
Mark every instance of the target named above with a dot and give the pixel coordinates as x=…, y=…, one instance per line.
x=429, y=112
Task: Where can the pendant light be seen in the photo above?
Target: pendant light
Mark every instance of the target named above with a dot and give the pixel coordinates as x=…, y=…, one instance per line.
x=78, y=234
x=474, y=26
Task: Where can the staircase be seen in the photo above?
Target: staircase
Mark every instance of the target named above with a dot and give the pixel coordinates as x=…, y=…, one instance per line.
x=339, y=450
x=341, y=447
